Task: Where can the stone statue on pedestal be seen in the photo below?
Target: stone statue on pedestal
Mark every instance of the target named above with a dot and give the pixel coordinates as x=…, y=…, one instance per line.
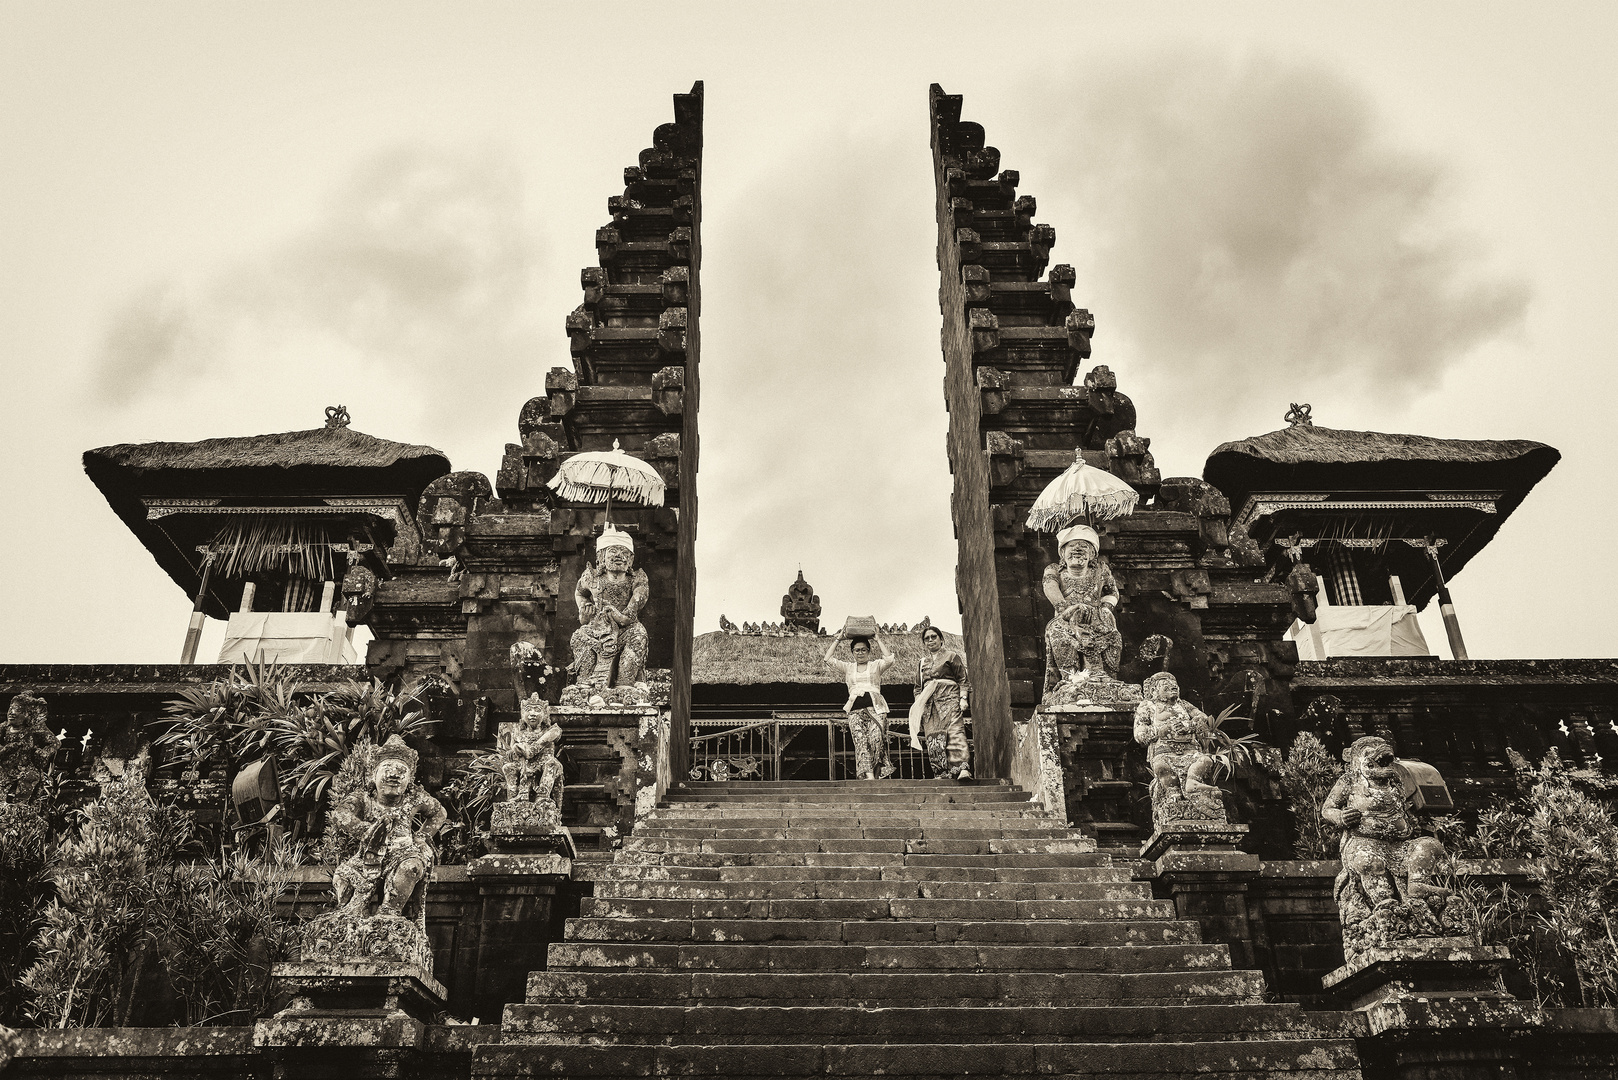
x=800, y=606
x=381, y=883
x=1082, y=644
x=609, y=647
x=532, y=770
x=1178, y=736
x=1388, y=891
x=26, y=747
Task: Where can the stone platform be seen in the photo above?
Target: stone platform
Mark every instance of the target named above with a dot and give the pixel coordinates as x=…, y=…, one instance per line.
x=916, y=927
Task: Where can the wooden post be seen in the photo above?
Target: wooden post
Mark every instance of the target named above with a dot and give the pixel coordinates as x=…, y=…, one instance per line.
x=328, y=593
x=1452, y=625
x=248, y=590
x=193, y=632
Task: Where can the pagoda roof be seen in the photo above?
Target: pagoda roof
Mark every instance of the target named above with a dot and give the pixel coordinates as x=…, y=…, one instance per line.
x=290, y=469
x=720, y=658
x=1306, y=457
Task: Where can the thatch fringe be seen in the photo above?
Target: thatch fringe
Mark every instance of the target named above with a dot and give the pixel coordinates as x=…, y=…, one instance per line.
x=337, y=447
x=750, y=660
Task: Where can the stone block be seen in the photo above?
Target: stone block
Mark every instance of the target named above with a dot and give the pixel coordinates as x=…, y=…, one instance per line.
x=1421, y=968
x=351, y=1003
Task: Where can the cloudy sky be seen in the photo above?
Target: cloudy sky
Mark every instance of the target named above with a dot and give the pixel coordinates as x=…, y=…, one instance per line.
x=218, y=219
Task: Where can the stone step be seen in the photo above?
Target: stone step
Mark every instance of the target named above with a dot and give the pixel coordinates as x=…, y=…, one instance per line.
x=1298, y=1059
x=876, y=990
x=904, y=910
x=896, y=870
x=888, y=931
x=803, y=818
x=893, y=889
x=768, y=788
x=806, y=958
x=745, y=845
x=959, y=796
x=556, y=1024
x=864, y=858
x=654, y=829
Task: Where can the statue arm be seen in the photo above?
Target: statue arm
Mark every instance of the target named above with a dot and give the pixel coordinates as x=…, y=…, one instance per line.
x=1053, y=590
x=551, y=735
x=1109, y=587
x=1144, y=723
x=638, y=597
x=1335, y=808
x=432, y=816
x=584, y=596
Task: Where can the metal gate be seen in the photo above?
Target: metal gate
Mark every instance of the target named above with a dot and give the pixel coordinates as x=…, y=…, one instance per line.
x=793, y=746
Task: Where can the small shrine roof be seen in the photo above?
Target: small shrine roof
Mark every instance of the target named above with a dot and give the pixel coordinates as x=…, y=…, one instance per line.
x=721, y=658
x=330, y=460
x=1305, y=457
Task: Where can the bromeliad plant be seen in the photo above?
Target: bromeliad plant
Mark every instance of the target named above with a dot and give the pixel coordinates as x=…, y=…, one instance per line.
x=260, y=710
x=1230, y=753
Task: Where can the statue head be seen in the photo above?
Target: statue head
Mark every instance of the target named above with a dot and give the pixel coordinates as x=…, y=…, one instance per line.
x=615, y=550
x=27, y=710
x=932, y=639
x=1371, y=757
x=393, y=767
x=1162, y=687
x=1077, y=545
x=534, y=712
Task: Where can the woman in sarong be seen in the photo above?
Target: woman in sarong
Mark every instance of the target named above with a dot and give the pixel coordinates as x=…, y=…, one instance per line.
x=935, y=719
x=866, y=708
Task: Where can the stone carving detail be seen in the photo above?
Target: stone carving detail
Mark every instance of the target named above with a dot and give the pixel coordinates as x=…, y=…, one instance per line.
x=359, y=590
x=380, y=884
x=1178, y=736
x=1388, y=891
x=800, y=606
x=609, y=647
x=26, y=747
x=1082, y=644
x=532, y=770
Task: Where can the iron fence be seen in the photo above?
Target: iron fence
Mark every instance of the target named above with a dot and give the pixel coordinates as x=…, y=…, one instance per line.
x=794, y=746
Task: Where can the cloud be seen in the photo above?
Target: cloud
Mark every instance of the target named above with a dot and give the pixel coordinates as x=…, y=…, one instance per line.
x=1250, y=221
x=420, y=266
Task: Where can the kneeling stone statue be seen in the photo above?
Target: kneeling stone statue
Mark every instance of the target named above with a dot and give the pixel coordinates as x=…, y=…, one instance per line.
x=1388, y=891
x=381, y=883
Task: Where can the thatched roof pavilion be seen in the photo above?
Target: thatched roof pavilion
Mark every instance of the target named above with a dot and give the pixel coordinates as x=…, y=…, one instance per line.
x=1327, y=482
x=176, y=496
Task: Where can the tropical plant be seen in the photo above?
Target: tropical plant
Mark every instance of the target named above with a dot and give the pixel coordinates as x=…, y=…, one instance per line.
x=469, y=799
x=261, y=709
x=1574, y=837
x=26, y=840
x=1230, y=753
x=1307, y=776
x=129, y=914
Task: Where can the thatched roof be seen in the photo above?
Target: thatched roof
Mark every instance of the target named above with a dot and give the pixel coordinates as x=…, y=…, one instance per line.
x=332, y=461
x=1310, y=458
x=752, y=660
x=289, y=468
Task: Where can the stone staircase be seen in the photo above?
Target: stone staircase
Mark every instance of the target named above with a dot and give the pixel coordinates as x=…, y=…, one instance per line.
x=921, y=928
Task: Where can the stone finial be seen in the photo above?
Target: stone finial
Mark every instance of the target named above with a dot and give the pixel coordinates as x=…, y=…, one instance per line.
x=337, y=416
x=1299, y=415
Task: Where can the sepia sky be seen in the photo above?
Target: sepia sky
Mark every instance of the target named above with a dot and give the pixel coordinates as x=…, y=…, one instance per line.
x=217, y=219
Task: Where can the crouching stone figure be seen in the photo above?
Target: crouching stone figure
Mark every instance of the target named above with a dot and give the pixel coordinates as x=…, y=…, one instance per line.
x=1389, y=889
x=381, y=882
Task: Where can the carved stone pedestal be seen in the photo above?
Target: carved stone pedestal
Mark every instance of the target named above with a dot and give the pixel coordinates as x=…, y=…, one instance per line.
x=351, y=1003
x=1194, y=836
x=1201, y=870
x=529, y=829
x=1421, y=968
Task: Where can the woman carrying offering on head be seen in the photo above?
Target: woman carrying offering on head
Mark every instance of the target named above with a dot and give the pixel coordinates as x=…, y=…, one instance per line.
x=940, y=696
x=866, y=708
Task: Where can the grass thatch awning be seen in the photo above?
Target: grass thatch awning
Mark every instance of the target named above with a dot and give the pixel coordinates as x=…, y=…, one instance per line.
x=289, y=469
x=1310, y=458
x=755, y=660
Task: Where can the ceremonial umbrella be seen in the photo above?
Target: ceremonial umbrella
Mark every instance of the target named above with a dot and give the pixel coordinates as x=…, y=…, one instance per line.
x=603, y=475
x=1093, y=494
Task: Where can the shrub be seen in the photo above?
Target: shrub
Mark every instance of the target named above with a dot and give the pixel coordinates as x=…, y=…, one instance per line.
x=1575, y=838
x=1307, y=776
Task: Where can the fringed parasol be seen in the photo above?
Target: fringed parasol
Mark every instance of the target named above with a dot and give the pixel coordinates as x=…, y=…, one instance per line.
x=1081, y=492
x=605, y=475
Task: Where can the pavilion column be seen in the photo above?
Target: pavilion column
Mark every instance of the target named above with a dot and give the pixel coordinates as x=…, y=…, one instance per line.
x=1452, y=624
x=193, y=632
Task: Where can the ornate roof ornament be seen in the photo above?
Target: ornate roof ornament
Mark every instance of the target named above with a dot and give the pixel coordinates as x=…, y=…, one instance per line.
x=1299, y=415
x=337, y=416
